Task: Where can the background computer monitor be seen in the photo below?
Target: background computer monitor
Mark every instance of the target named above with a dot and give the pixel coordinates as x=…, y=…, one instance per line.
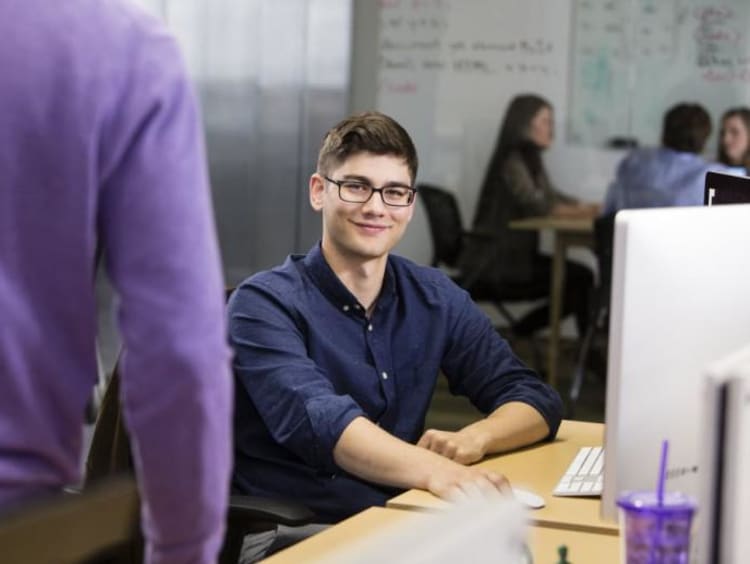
x=726, y=189
x=680, y=300
x=725, y=478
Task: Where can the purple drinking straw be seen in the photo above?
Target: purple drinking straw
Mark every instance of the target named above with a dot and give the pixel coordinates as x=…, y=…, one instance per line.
x=654, y=553
x=662, y=473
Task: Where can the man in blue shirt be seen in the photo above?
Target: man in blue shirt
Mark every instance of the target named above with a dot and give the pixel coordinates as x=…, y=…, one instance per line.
x=670, y=175
x=338, y=351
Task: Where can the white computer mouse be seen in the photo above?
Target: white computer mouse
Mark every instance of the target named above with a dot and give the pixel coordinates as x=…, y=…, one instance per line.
x=529, y=499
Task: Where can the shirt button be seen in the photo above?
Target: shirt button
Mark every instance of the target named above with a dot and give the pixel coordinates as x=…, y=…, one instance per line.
x=369, y=327
x=345, y=308
x=384, y=375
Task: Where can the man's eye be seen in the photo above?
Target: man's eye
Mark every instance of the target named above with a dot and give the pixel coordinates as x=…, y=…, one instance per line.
x=396, y=193
x=355, y=187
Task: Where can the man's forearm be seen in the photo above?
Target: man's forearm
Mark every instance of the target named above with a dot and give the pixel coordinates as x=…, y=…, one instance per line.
x=510, y=426
x=368, y=452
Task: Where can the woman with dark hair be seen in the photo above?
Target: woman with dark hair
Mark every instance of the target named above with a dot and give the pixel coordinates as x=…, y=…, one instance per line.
x=734, y=138
x=515, y=186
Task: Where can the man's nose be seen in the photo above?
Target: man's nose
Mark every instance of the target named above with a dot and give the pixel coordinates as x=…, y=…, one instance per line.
x=375, y=204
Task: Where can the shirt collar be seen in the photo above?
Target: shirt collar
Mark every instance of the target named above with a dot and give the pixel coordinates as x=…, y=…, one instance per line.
x=332, y=288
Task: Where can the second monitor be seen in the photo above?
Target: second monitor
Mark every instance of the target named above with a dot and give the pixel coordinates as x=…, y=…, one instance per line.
x=726, y=189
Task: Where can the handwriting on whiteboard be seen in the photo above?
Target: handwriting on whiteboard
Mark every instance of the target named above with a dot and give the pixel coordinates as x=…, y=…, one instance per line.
x=416, y=38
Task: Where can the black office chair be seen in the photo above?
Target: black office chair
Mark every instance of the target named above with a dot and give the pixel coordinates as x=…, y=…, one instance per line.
x=599, y=317
x=110, y=454
x=448, y=240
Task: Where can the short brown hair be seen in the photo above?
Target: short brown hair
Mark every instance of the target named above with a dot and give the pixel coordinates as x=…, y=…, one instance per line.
x=367, y=132
x=686, y=128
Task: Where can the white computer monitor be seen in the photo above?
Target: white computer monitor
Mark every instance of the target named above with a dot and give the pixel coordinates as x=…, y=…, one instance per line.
x=680, y=300
x=725, y=475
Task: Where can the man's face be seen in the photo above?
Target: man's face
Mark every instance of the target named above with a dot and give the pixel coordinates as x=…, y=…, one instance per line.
x=362, y=231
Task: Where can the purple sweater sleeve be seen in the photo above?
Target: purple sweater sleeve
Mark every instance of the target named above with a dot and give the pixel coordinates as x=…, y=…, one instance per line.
x=156, y=226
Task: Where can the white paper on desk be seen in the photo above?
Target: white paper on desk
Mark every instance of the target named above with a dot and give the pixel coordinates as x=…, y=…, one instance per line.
x=480, y=531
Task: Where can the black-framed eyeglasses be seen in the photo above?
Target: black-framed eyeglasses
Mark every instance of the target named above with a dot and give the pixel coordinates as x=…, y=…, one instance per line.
x=359, y=192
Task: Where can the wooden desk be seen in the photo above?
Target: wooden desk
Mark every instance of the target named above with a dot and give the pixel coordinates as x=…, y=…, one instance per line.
x=583, y=547
x=539, y=468
x=568, y=232
x=317, y=547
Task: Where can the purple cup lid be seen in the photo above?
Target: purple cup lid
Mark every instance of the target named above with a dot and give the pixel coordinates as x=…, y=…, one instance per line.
x=646, y=502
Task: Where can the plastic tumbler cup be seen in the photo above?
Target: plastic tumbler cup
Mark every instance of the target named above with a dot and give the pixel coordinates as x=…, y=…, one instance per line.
x=653, y=533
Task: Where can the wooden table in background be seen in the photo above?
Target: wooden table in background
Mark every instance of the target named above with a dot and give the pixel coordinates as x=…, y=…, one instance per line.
x=568, y=232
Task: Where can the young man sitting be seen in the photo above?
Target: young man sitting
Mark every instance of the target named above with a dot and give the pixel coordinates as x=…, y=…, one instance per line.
x=338, y=351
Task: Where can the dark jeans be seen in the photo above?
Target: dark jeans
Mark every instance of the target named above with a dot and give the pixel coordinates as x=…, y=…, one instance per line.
x=257, y=546
x=579, y=282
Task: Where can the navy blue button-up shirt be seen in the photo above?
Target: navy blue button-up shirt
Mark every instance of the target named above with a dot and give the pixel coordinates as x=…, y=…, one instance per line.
x=308, y=361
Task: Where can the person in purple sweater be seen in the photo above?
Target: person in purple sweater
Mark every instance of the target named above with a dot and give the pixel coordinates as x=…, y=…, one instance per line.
x=101, y=147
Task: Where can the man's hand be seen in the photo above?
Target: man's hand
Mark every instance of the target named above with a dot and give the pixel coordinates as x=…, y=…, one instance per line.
x=464, y=447
x=453, y=482
x=511, y=425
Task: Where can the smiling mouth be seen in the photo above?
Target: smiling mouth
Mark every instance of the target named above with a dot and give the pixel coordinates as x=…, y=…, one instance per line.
x=371, y=228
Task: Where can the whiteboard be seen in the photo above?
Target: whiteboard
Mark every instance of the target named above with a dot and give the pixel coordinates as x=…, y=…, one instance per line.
x=632, y=60
x=448, y=68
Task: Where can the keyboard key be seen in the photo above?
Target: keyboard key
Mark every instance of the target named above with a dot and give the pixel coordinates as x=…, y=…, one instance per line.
x=578, y=461
x=584, y=475
x=590, y=459
x=598, y=465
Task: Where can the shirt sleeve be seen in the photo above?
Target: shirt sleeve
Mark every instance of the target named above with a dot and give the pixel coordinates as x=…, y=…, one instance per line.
x=610, y=200
x=156, y=228
x=480, y=365
x=613, y=200
x=296, y=400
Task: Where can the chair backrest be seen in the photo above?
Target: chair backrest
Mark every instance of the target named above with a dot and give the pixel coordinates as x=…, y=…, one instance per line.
x=444, y=218
x=604, y=230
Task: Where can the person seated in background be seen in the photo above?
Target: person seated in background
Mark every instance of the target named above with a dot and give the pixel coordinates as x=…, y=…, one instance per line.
x=338, y=352
x=670, y=175
x=516, y=186
x=734, y=139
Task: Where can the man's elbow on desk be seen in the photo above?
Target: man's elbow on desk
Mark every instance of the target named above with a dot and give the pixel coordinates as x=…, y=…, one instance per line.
x=512, y=425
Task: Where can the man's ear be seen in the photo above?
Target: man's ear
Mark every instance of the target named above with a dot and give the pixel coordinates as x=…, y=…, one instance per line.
x=317, y=189
x=412, y=206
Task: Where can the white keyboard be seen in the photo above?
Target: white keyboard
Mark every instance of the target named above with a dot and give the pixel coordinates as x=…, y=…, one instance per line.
x=584, y=475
